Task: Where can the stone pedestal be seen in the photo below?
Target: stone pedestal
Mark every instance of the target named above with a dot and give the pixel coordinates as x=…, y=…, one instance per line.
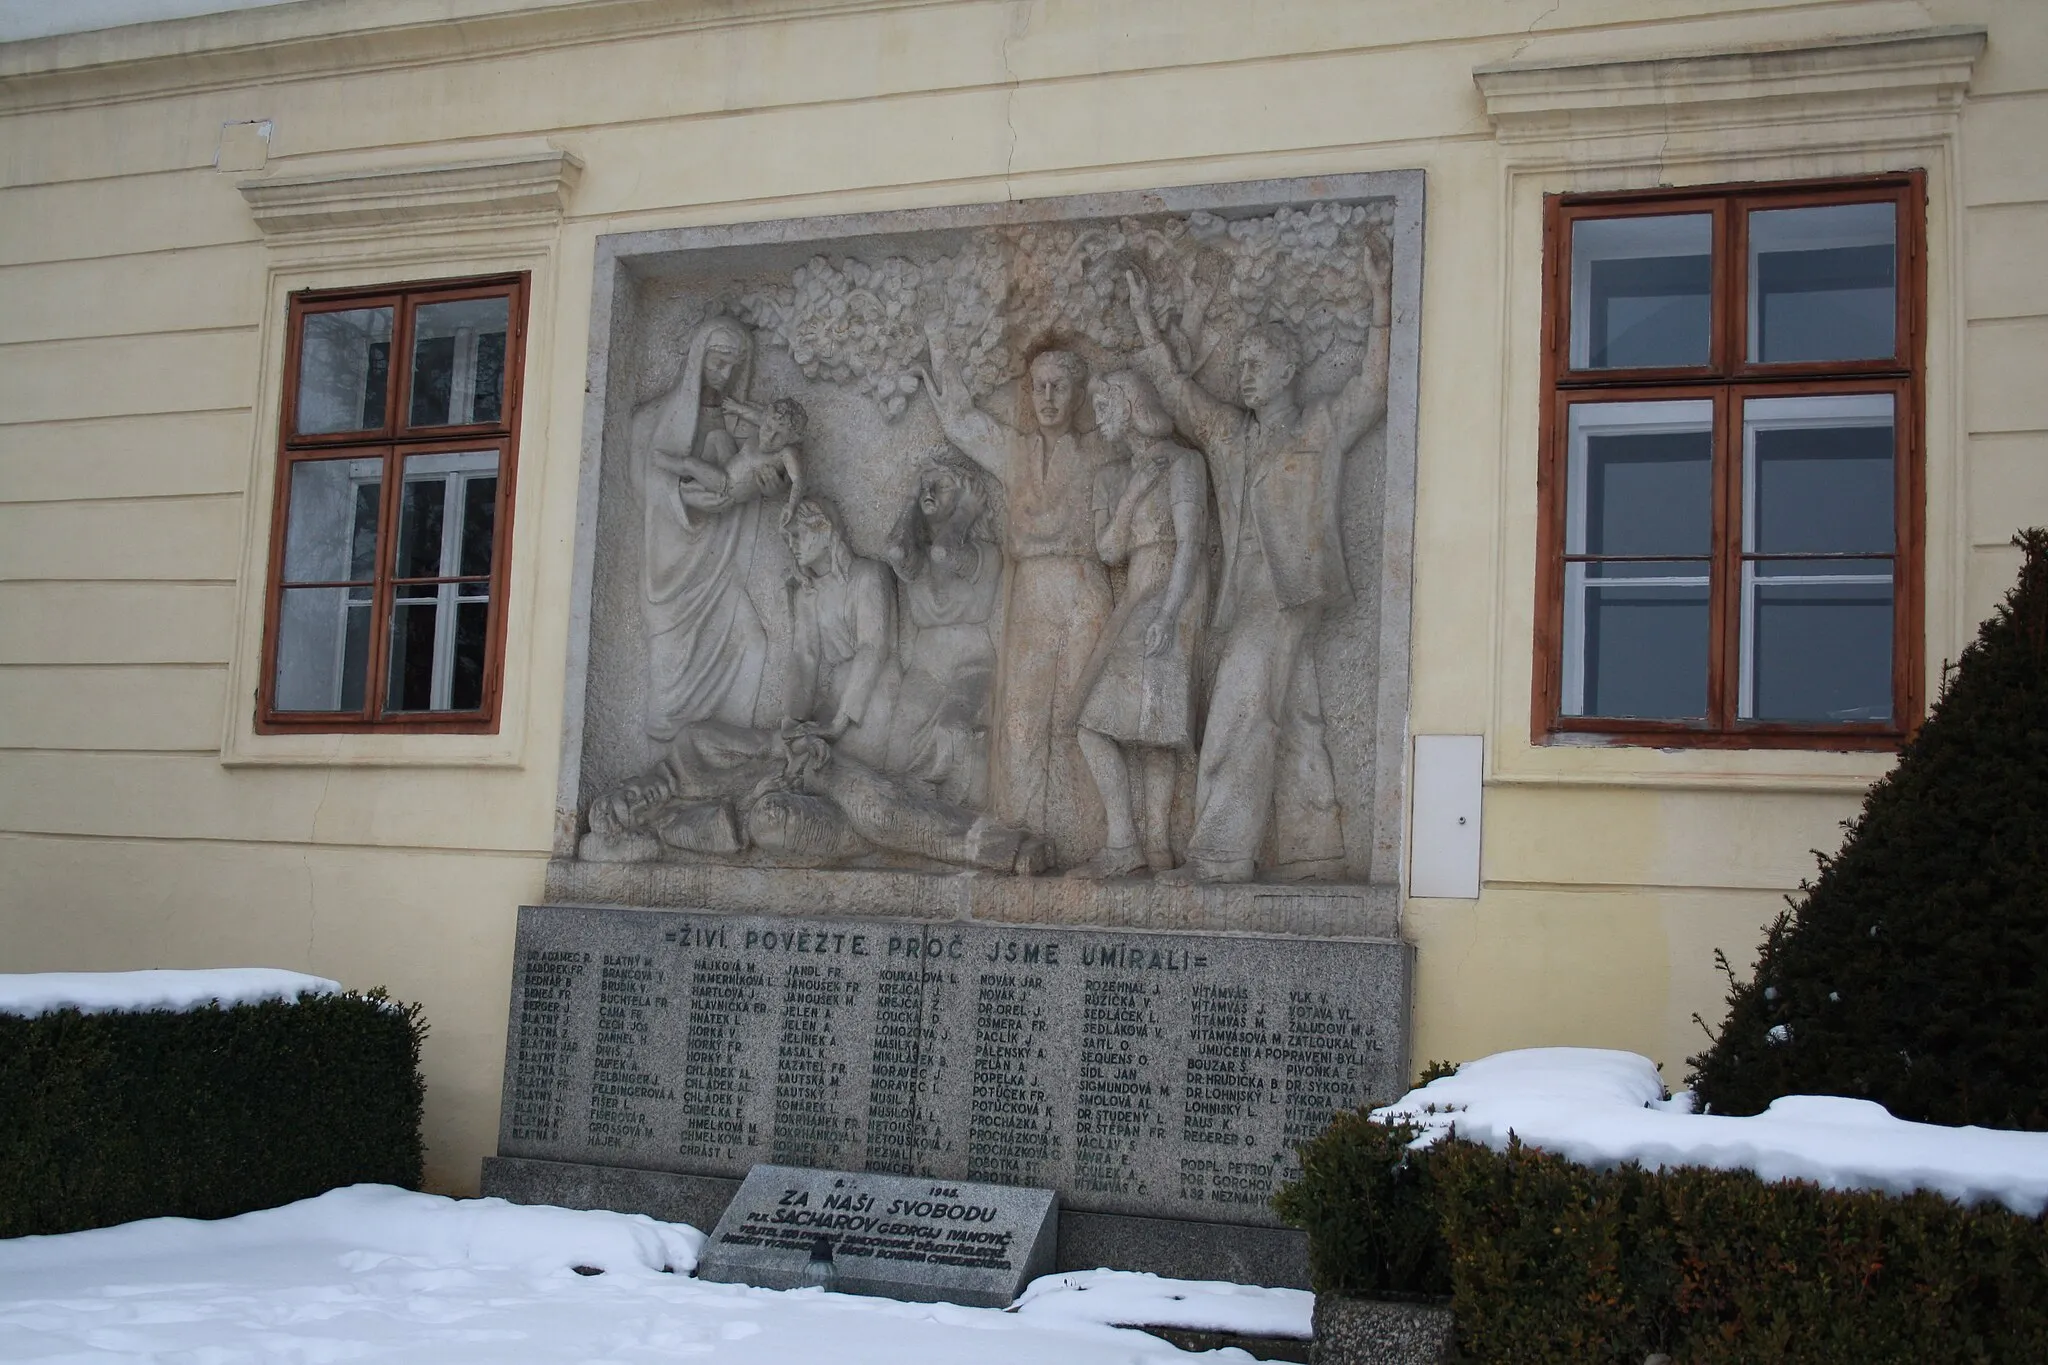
x=1380, y=1332
x=1158, y=1081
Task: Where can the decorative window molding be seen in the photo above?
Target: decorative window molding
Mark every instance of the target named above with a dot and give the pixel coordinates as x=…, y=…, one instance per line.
x=1800, y=94
x=1819, y=107
x=531, y=189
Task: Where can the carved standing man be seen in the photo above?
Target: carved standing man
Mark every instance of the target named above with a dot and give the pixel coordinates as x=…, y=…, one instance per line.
x=1278, y=469
x=1058, y=597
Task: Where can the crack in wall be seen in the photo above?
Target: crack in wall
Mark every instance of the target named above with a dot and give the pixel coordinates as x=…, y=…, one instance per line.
x=1020, y=23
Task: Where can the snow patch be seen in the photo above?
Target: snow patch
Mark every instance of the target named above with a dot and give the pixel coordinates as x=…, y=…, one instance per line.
x=1603, y=1108
x=374, y=1273
x=33, y=993
x=1129, y=1298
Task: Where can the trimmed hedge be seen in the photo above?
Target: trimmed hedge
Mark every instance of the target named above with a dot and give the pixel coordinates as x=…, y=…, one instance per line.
x=1914, y=970
x=1368, y=1205
x=106, y=1118
x=1551, y=1262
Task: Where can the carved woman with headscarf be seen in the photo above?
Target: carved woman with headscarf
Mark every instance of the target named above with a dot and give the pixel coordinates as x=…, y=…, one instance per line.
x=706, y=646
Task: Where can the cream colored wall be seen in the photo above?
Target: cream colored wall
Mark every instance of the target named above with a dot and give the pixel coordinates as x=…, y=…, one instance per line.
x=144, y=825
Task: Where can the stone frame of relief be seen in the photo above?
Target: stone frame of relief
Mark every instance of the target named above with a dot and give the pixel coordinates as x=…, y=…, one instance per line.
x=983, y=539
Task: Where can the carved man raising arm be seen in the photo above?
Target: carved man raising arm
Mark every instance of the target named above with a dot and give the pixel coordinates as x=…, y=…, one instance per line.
x=1057, y=598
x=1277, y=464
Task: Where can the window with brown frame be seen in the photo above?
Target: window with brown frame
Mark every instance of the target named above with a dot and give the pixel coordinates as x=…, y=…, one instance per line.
x=1730, y=474
x=393, y=515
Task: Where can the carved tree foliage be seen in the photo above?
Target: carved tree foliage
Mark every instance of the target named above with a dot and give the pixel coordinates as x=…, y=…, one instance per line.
x=1010, y=294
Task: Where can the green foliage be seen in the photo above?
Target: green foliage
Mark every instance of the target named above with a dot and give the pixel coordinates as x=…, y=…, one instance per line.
x=1914, y=970
x=1367, y=1204
x=1436, y=1071
x=106, y=1118
x=1552, y=1263
x=1555, y=1262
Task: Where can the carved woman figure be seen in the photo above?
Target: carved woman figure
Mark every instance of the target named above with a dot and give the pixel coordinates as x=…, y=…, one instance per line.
x=842, y=616
x=945, y=552
x=1151, y=513
x=705, y=642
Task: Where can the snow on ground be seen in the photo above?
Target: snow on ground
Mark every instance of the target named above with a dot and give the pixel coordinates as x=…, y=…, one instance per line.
x=35, y=993
x=376, y=1274
x=1602, y=1108
x=1130, y=1296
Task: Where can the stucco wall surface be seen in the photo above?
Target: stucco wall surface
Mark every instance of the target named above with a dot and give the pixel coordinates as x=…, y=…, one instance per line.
x=143, y=823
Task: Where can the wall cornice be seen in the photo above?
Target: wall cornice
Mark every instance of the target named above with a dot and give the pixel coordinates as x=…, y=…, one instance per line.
x=223, y=51
x=1866, y=77
x=529, y=188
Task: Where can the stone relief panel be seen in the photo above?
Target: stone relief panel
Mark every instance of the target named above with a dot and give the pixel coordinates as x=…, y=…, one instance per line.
x=1028, y=548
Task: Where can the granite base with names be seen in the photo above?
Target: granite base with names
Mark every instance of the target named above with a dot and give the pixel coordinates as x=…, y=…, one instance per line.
x=1161, y=1075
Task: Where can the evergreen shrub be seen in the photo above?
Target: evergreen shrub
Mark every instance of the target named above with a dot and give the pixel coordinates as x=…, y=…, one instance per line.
x=1368, y=1206
x=204, y=1113
x=1552, y=1263
x=1914, y=970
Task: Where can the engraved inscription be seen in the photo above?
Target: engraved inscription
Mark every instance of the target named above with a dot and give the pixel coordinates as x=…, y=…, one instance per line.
x=623, y=1087
x=542, y=1051
x=1134, y=1072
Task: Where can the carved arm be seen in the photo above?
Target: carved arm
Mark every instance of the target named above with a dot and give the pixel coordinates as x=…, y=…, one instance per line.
x=980, y=436
x=1190, y=530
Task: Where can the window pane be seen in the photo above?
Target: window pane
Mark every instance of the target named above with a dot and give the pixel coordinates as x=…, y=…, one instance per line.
x=1636, y=640
x=429, y=543
x=1641, y=479
x=1822, y=283
x=1817, y=640
x=344, y=364
x=1642, y=291
x=458, y=362
x=420, y=526
x=331, y=523
x=1818, y=475
x=438, y=634
x=323, y=649
x=479, y=522
x=414, y=618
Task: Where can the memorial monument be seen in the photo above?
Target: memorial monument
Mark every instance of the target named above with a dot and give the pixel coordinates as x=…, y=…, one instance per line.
x=987, y=702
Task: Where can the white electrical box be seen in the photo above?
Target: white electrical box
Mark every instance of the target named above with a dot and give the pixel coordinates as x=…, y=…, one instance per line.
x=1443, y=837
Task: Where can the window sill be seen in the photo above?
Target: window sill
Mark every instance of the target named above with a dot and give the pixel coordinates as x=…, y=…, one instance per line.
x=371, y=749
x=1590, y=760
x=1725, y=741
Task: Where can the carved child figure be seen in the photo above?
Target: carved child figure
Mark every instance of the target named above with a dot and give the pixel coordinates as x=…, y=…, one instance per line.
x=779, y=429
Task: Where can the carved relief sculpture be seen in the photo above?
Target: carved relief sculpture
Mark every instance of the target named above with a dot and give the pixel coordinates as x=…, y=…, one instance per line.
x=1278, y=467
x=944, y=549
x=1057, y=596
x=706, y=648
x=1010, y=683
x=1151, y=515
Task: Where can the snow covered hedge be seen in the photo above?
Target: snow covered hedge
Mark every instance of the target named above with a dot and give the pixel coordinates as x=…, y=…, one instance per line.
x=1573, y=1214
x=202, y=1112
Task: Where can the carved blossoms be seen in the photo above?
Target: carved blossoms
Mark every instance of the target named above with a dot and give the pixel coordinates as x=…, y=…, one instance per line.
x=1116, y=567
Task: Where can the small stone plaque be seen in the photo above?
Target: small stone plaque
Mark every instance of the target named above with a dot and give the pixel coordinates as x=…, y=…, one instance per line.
x=926, y=1241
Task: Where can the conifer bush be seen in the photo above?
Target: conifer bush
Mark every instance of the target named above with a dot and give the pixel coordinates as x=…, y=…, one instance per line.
x=204, y=1113
x=1913, y=970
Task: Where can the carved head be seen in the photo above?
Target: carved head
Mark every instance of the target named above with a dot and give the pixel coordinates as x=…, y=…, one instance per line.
x=783, y=424
x=627, y=808
x=1125, y=401
x=1267, y=360
x=1057, y=378
x=815, y=539
x=726, y=348
x=954, y=506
